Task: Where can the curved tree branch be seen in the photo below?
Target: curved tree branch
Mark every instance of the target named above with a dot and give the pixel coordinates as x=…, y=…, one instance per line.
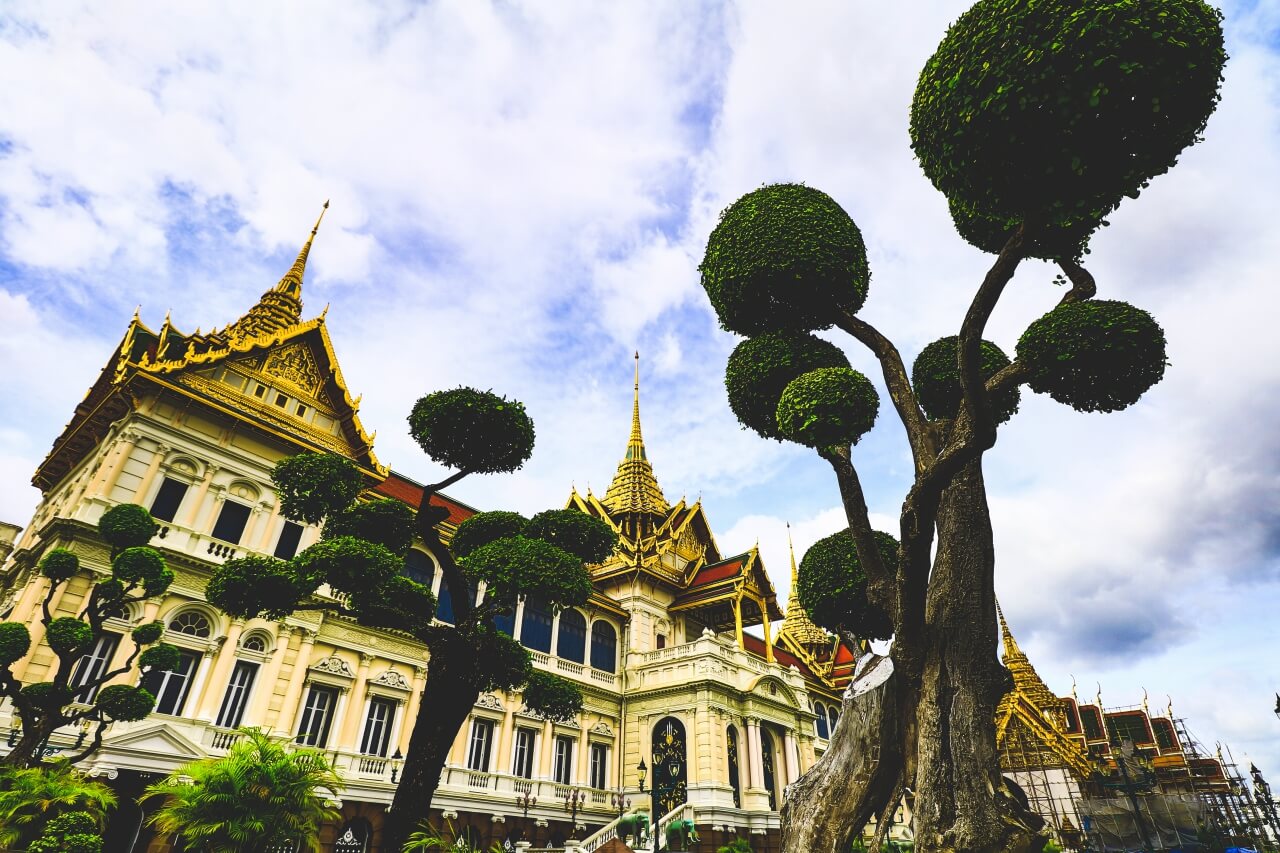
x=880, y=580
x=976, y=403
x=897, y=381
x=1083, y=285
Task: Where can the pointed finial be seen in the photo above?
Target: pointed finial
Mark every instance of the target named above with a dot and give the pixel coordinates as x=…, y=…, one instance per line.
x=1097, y=699
x=137, y=314
x=791, y=546
x=1169, y=708
x=1011, y=650
x=1074, y=695
x=636, y=438
x=291, y=283
x=325, y=311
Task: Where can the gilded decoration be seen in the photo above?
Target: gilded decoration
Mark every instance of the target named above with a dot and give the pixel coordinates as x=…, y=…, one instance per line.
x=670, y=765
x=296, y=365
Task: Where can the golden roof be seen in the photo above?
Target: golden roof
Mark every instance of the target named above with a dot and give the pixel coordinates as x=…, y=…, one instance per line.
x=797, y=623
x=1025, y=678
x=634, y=488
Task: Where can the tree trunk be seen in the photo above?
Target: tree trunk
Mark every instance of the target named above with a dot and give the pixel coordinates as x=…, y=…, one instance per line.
x=962, y=802
x=856, y=776
x=447, y=699
x=26, y=752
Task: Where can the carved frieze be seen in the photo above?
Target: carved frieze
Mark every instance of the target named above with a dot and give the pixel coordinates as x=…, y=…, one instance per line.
x=333, y=666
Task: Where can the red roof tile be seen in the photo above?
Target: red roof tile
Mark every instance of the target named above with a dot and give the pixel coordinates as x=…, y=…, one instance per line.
x=406, y=490
x=755, y=645
x=717, y=572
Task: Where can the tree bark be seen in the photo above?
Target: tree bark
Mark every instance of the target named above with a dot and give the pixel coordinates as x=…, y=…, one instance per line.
x=962, y=802
x=447, y=699
x=856, y=776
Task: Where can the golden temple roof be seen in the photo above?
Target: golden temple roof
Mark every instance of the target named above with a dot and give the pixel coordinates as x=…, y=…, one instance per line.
x=797, y=623
x=1025, y=678
x=281, y=306
x=634, y=488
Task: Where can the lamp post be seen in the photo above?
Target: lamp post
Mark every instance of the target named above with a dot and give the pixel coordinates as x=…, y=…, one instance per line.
x=620, y=801
x=525, y=802
x=396, y=758
x=573, y=799
x=653, y=808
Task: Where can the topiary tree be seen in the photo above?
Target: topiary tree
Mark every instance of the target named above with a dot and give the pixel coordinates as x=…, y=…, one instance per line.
x=1035, y=120
x=357, y=570
x=76, y=692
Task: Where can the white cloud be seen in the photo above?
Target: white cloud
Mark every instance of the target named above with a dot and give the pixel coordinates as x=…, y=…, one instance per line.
x=521, y=194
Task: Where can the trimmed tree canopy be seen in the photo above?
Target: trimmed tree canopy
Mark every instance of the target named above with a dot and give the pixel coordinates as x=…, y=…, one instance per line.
x=761, y=367
x=828, y=407
x=936, y=379
x=519, y=564
x=483, y=528
x=384, y=521
x=833, y=586
x=552, y=697
x=585, y=537
x=1052, y=112
x=127, y=526
x=313, y=485
x=784, y=257
x=473, y=431
x=1095, y=356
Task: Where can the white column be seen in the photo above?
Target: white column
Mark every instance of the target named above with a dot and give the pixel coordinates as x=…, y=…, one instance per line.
x=792, y=754
x=411, y=711
x=350, y=726
x=755, y=761
x=223, y=658
x=293, y=693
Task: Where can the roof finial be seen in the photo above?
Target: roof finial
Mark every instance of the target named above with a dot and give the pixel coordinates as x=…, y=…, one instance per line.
x=1011, y=650
x=634, y=487
x=291, y=283
x=1145, y=707
x=795, y=572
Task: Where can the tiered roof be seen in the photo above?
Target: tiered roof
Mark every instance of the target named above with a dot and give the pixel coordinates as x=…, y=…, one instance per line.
x=270, y=342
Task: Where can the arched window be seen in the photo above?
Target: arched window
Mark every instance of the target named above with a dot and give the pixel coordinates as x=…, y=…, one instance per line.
x=670, y=765
x=535, y=629
x=444, y=601
x=418, y=567
x=833, y=713
x=191, y=622
x=766, y=759
x=572, y=640
x=731, y=748
x=604, y=646
x=254, y=643
x=824, y=731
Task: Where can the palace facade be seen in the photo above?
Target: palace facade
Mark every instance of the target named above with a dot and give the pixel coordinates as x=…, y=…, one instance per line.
x=190, y=425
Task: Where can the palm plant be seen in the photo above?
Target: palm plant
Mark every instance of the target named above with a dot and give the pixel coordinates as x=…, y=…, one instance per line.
x=31, y=797
x=258, y=795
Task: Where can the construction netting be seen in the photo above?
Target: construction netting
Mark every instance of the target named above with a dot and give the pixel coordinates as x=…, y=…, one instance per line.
x=1161, y=822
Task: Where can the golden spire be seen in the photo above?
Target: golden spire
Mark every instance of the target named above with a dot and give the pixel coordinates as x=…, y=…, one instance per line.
x=634, y=488
x=281, y=306
x=291, y=283
x=1025, y=678
x=797, y=623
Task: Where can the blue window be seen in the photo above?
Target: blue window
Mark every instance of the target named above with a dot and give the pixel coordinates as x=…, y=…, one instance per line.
x=535, y=630
x=572, y=643
x=604, y=647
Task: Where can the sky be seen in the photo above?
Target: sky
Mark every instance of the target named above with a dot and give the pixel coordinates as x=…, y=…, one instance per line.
x=520, y=196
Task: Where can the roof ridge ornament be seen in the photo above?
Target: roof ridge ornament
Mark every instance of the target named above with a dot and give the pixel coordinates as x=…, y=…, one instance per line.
x=634, y=488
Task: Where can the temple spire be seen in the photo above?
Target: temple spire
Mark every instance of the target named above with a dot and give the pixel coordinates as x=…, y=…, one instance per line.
x=1025, y=678
x=797, y=623
x=281, y=306
x=291, y=283
x=634, y=488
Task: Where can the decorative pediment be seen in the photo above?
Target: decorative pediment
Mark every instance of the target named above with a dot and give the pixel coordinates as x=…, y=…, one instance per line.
x=602, y=728
x=488, y=700
x=294, y=364
x=333, y=666
x=391, y=679
x=159, y=740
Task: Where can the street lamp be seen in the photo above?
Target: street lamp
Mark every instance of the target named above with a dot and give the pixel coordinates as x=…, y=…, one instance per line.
x=653, y=806
x=396, y=758
x=620, y=801
x=525, y=802
x=573, y=799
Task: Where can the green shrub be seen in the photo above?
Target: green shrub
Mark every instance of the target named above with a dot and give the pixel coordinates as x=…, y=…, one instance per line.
x=125, y=703
x=585, y=537
x=474, y=431
x=127, y=526
x=483, y=528
x=383, y=521
x=15, y=642
x=832, y=585
x=785, y=256
x=761, y=367
x=67, y=635
x=59, y=564
x=935, y=375
x=313, y=485
x=828, y=407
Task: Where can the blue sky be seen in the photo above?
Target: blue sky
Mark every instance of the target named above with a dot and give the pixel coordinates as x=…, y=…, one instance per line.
x=520, y=197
